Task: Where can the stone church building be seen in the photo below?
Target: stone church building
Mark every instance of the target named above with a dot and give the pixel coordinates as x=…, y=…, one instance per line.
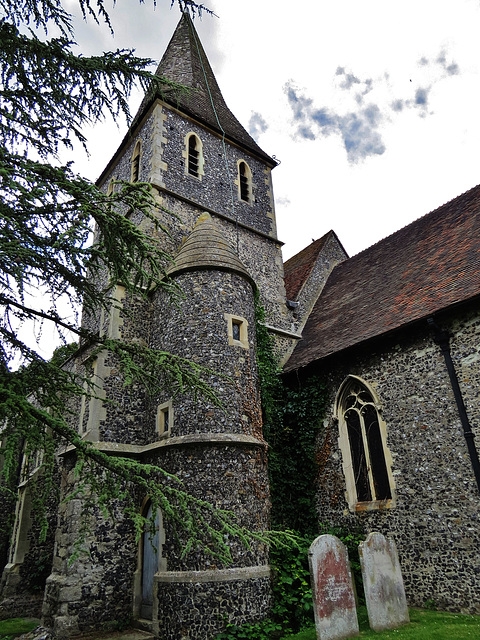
x=394, y=331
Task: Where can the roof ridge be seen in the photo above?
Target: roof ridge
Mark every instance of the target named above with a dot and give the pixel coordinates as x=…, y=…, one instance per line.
x=428, y=266
x=437, y=211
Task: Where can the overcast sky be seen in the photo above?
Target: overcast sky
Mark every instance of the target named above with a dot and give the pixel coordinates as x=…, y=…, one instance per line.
x=372, y=107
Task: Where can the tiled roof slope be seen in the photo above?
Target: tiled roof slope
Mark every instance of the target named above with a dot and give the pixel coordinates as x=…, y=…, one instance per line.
x=298, y=267
x=185, y=62
x=427, y=266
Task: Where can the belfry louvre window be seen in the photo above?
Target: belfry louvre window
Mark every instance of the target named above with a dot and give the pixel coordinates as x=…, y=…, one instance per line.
x=193, y=156
x=364, y=449
x=245, y=181
x=135, y=176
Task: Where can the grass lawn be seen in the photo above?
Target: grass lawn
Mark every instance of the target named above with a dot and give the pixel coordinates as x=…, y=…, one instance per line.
x=16, y=626
x=424, y=625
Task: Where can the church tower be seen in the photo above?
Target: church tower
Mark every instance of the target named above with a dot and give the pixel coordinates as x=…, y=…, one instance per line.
x=207, y=171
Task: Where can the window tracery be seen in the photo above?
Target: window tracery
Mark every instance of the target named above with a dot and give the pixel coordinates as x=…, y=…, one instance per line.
x=363, y=442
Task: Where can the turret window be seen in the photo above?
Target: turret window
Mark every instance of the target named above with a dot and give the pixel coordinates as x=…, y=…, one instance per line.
x=164, y=419
x=193, y=155
x=237, y=331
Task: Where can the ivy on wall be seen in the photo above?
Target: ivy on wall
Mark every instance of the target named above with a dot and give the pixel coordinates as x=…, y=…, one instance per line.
x=293, y=413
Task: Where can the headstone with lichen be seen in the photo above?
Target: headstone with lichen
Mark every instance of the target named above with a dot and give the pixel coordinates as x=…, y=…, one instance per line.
x=332, y=589
x=383, y=583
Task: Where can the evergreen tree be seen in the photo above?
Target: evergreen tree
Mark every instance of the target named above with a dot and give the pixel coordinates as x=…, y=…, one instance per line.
x=58, y=234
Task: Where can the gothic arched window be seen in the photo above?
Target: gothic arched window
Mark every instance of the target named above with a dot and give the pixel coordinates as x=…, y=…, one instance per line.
x=244, y=181
x=136, y=163
x=366, y=459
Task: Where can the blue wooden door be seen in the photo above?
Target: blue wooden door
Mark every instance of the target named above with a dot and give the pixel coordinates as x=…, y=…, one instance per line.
x=149, y=565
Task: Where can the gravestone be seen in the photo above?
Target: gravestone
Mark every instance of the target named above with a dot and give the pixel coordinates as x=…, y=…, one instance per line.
x=383, y=583
x=332, y=589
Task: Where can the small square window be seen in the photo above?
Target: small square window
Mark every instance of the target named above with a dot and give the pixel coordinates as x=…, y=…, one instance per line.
x=237, y=331
x=164, y=420
x=236, y=326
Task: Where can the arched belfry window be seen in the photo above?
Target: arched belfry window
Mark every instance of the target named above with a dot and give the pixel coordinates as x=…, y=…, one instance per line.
x=193, y=156
x=362, y=438
x=244, y=182
x=136, y=162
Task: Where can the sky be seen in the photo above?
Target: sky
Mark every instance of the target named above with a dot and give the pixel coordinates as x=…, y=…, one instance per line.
x=372, y=107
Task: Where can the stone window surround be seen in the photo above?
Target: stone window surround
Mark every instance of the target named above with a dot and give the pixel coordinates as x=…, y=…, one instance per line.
x=243, y=327
x=248, y=175
x=23, y=520
x=164, y=410
x=344, y=445
x=111, y=186
x=201, y=160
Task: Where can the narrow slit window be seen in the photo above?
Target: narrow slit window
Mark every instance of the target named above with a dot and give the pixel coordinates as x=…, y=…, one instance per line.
x=164, y=418
x=193, y=156
x=136, y=163
x=245, y=181
x=236, y=326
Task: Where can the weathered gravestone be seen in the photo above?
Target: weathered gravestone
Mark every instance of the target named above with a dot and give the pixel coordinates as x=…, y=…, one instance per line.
x=332, y=589
x=383, y=583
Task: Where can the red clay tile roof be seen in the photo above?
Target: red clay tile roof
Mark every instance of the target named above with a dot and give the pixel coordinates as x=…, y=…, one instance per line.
x=429, y=265
x=298, y=267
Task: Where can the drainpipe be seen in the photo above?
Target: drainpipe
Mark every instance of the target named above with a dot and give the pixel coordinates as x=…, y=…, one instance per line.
x=442, y=338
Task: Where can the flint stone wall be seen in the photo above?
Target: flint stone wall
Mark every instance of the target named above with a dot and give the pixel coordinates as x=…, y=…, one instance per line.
x=24, y=575
x=436, y=521
x=231, y=478
x=162, y=136
x=181, y=608
x=97, y=587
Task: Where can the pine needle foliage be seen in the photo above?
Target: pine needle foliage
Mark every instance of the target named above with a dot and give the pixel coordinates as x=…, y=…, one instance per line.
x=60, y=236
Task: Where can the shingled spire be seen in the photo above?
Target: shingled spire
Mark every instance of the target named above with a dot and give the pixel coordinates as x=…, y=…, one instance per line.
x=185, y=63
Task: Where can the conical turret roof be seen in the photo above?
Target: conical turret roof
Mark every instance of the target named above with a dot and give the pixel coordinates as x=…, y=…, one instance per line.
x=185, y=63
x=207, y=248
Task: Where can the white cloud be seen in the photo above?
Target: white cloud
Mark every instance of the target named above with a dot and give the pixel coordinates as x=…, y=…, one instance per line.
x=389, y=101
